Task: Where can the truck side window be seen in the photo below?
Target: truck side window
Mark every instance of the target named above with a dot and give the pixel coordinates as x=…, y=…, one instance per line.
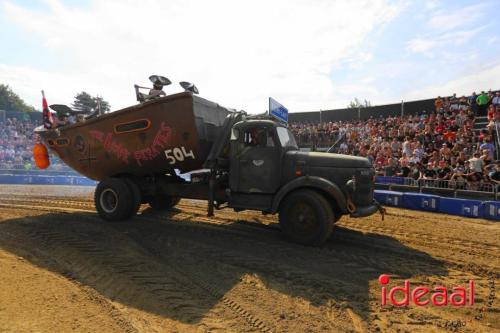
x=258, y=137
x=286, y=138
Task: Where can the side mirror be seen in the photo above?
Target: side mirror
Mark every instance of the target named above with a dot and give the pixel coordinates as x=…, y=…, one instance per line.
x=234, y=134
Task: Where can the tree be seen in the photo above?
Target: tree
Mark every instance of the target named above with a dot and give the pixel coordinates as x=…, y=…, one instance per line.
x=356, y=104
x=86, y=103
x=83, y=102
x=105, y=107
x=10, y=101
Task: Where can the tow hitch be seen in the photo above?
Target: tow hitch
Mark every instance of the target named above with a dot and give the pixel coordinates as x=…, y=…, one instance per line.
x=381, y=209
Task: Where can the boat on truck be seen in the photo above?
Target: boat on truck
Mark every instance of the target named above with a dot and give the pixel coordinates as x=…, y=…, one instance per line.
x=235, y=160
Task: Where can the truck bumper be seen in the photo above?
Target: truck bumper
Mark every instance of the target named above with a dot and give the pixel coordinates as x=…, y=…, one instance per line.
x=362, y=211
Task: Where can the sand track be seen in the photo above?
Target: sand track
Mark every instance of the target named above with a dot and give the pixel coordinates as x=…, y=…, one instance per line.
x=181, y=271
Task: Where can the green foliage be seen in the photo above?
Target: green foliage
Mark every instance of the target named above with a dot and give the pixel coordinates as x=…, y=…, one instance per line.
x=86, y=103
x=356, y=104
x=10, y=101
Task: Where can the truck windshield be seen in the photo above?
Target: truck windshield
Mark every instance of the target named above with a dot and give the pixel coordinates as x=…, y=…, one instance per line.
x=286, y=138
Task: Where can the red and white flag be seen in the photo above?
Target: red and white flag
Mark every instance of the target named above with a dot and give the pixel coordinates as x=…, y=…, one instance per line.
x=48, y=121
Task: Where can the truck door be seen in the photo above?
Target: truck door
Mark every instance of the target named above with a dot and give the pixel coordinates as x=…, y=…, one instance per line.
x=255, y=160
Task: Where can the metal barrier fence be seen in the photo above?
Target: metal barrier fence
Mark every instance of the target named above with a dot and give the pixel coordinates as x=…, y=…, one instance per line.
x=451, y=186
x=30, y=167
x=497, y=139
x=35, y=171
x=45, y=180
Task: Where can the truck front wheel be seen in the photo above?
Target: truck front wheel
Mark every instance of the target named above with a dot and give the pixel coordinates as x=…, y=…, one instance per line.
x=114, y=199
x=306, y=217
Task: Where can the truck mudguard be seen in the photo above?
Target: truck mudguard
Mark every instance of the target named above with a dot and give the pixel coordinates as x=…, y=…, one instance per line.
x=313, y=182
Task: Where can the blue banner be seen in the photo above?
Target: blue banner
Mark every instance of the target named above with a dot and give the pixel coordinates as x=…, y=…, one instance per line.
x=277, y=110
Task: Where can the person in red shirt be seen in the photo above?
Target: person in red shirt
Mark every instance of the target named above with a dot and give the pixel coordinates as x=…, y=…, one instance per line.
x=491, y=112
x=440, y=127
x=449, y=134
x=380, y=158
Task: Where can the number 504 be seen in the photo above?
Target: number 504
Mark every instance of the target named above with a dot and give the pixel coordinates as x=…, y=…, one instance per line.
x=178, y=154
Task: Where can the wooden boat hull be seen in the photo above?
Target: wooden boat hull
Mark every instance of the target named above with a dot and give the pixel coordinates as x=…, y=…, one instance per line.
x=156, y=137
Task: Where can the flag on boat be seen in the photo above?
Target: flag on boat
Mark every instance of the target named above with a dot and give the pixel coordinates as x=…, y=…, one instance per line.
x=48, y=121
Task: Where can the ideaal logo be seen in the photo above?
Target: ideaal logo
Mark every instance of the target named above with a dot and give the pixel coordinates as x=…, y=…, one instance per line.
x=422, y=296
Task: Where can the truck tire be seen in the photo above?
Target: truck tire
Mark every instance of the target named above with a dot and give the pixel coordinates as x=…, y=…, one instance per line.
x=163, y=202
x=114, y=199
x=136, y=194
x=306, y=217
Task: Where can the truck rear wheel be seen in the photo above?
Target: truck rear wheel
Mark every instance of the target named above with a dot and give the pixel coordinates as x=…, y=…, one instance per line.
x=114, y=199
x=163, y=202
x=306, y=217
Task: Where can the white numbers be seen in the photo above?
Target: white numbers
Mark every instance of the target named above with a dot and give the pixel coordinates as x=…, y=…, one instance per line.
x=171, y=159
x=178, y=155
x=190, y=154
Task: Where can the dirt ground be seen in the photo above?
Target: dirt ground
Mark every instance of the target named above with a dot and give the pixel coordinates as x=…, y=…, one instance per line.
x=62, y=269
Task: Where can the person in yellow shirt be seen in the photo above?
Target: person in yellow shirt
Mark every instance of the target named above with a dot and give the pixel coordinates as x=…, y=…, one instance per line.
x=438, y=103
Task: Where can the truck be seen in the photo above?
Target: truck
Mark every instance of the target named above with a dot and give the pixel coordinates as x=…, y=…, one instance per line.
x=141, y=154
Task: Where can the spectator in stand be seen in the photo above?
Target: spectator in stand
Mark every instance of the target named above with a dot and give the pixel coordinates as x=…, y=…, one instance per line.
x=487, y=159
x=415, y=169
x=492, y=110
x=454, y=103
x=482, y=103
x=440, y=127
x=390, y=168
x=405, y=169
x=493, y=172
x=487, y=145
x=439, y=103
x=443, y=172
x=496, y=100
x=463, y=103
x=428, y=173
x=473, y=102
x=458, y=178
x=344, y=148
x=493, y=117
x=476, y=163
x=407, y=149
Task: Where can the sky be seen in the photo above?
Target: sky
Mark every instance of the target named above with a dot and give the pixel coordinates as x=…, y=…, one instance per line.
x=307, y=54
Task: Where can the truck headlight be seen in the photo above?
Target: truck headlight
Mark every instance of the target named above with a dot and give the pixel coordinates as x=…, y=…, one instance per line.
x=351, y=185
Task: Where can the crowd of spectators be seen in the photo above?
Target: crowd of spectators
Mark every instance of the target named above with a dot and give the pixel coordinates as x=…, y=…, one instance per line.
x=437, y=148
x=17, y=138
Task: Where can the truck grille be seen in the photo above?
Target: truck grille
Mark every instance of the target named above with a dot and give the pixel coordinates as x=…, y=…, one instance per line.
x=363, y=194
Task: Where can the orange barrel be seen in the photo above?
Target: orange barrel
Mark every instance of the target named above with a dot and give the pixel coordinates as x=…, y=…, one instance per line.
x=41, y=156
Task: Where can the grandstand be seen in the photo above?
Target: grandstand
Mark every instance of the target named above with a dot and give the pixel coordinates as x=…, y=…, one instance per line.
x=448, y=147
x=16, y=142
x=16, y=161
